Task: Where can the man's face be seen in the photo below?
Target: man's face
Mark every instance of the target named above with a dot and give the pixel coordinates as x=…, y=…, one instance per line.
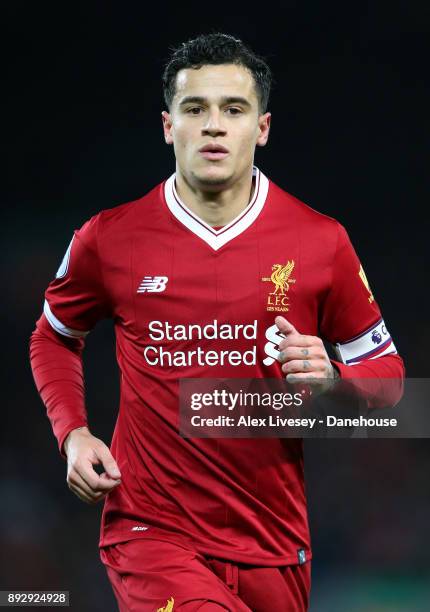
x=214, y=125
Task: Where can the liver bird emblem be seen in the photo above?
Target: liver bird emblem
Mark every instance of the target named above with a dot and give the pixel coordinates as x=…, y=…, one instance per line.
x=168, y=607
x=280, y=277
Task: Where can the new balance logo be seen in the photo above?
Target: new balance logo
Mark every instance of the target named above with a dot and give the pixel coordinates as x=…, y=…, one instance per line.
x=153, y=284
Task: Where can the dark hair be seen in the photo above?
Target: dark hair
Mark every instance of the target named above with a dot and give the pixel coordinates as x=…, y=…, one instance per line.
x=217, y=49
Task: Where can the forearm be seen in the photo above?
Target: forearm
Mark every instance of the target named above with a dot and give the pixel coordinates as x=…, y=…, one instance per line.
x=378, y=381
x=56, y=363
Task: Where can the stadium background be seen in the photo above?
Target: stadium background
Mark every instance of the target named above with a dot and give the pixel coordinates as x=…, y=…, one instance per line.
x=82, y=132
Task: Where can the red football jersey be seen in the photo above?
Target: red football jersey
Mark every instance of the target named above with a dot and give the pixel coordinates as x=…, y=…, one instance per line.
x=192, y=301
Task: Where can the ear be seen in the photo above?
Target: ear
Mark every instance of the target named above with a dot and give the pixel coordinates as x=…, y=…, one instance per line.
x=167, y=127
x=263, y=129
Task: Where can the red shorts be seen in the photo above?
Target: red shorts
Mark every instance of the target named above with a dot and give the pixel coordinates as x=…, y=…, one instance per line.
x=150, y=575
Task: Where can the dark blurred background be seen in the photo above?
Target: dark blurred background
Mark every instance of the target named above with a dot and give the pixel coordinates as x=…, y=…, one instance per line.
x=82, y=131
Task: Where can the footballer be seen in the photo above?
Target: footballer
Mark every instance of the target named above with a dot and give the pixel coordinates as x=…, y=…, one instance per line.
x=217, y=272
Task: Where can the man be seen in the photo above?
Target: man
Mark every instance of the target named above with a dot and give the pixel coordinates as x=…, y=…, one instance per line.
x=204, y=524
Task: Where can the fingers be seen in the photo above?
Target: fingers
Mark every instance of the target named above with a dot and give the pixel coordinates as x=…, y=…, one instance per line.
x=83, y=452
x=112, y=470
x=78, y=486
x=302, y=376
x=93, y=480
x=292, y=336
x=299, y=341
x=87, y=484
x=82, y=479
x=303, y=357
x=300, y=365
x=290, y=353
x=285, y=326
x=299, y=369
x=317, y=367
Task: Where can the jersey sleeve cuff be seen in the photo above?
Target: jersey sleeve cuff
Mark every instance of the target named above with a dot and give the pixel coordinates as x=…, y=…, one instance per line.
x=345, y=371
x=62, y=437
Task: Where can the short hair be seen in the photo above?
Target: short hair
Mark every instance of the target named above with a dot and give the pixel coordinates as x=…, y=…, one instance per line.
x=217, y=49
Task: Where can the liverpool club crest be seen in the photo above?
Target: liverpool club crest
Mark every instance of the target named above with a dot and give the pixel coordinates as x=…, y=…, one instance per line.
x=278, y=300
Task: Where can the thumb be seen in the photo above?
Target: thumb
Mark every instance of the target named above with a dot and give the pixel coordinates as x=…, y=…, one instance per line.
x=285, y=326
x=108, y=462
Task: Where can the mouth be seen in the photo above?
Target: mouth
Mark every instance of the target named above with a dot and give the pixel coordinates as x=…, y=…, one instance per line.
x=213, y=152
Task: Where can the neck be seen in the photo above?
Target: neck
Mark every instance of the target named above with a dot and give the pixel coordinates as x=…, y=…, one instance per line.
x=216, y=208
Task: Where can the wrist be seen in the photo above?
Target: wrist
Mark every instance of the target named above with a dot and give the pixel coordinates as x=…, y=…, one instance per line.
x=84, y=429
x=336, y=373
x=337, y=369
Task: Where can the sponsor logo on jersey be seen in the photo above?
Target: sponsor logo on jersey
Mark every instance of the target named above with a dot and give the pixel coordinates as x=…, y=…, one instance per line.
x=159, y=353
x=278, y=300
x=153, y=284
x=271, y=348
x=365, y=282
x=168, y=607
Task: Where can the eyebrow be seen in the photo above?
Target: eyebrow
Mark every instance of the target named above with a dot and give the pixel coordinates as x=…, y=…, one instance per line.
x=224, y=100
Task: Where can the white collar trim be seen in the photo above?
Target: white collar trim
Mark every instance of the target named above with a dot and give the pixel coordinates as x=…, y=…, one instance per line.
x=218, y=238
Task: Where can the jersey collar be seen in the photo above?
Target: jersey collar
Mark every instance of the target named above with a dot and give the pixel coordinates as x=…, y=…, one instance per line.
x=218, y=238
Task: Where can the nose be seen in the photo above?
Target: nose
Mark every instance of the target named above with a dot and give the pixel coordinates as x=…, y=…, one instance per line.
x=213, y=126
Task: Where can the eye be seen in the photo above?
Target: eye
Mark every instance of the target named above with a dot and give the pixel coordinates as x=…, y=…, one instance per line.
x=195, y=110
x=233, y=110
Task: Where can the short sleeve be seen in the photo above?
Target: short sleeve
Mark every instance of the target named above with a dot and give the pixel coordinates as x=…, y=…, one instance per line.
x=351, y=319
x=76, y=299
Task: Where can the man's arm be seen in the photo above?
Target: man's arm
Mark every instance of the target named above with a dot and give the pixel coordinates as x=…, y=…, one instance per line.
x=74, y=301
x=349, y=319
x=56, y=362
x=379, y=381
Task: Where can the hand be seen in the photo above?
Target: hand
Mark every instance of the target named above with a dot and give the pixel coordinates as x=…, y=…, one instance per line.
x=84, y=451
x=303, y=357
